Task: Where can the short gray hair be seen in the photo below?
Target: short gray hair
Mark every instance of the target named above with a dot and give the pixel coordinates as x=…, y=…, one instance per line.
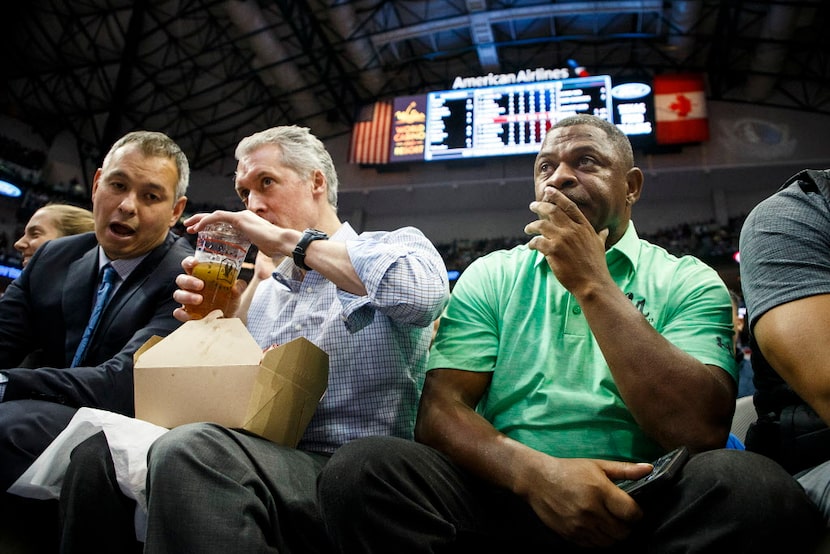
x=301, y=151
x=153, y=143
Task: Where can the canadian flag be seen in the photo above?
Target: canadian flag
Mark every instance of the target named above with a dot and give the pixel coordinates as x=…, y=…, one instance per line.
x=680, y=109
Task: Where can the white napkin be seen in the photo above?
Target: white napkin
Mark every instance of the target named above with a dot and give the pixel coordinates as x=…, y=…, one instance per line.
x=129, y=441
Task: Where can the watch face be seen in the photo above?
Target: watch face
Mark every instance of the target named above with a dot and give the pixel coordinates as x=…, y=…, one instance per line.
x=312, y=234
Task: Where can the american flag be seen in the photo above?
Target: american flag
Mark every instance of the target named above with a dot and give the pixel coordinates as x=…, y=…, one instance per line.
x=371, y=134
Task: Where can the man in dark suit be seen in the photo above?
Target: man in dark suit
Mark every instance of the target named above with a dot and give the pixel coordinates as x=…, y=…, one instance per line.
x=138, y=194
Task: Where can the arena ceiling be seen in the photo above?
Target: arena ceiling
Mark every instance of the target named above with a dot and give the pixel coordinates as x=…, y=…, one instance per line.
x=209, y=72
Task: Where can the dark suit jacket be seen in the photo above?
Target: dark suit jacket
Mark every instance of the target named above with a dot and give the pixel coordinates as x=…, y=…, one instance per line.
x=47, y=308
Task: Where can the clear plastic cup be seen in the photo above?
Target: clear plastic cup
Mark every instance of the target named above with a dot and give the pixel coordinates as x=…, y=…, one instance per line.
x=220, y=251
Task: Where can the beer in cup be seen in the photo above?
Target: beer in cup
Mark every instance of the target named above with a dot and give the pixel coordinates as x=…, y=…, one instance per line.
x=220, y=251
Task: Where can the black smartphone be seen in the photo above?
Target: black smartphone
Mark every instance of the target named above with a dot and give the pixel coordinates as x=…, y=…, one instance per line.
x=664, y=471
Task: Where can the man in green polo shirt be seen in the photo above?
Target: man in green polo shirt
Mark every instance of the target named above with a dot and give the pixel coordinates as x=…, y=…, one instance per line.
x=558, y=368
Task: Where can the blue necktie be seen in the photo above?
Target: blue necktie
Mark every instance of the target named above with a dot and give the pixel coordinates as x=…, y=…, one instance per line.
x=104, y=291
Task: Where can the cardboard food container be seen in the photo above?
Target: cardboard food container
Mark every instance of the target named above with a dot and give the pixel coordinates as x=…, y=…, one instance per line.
x=212, y=370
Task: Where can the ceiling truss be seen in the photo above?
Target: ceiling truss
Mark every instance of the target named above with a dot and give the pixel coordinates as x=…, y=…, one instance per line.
x=209, y=72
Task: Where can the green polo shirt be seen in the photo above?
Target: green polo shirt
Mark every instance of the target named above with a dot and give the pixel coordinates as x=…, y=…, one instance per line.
x=551, y=388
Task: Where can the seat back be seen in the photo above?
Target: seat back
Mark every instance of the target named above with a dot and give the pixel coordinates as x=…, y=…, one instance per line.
x=744, y=416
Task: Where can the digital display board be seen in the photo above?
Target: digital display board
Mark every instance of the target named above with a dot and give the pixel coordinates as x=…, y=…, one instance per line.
x=408, y=129
x=507, y=119
x=633, y=102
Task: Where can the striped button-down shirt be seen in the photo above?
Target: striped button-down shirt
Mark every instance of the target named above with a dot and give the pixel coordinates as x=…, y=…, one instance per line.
x=377, y=343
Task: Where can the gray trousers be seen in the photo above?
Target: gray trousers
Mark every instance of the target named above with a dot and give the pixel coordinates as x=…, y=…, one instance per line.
x=816, y=482
x=211, y=489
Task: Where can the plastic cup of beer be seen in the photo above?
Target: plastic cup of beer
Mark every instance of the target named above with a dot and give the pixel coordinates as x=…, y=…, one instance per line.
x=220, y=251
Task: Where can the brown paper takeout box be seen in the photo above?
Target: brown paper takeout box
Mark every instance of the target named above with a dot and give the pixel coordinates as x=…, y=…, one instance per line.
x=212, y=370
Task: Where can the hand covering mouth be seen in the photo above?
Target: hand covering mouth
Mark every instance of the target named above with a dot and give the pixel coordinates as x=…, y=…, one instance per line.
x=121, y=229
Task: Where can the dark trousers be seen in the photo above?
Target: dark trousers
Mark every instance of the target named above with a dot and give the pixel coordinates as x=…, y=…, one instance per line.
x=382, y=495
x=28, y=526
x=26, y=429
x=95, y=516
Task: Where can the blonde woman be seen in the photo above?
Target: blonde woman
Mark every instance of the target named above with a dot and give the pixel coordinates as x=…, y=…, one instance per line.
x=50, y=222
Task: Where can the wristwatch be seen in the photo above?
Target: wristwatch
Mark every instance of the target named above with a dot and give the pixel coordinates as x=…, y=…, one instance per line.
x=309, y=236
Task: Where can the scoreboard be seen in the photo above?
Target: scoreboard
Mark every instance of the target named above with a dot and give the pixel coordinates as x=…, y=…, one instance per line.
x=500, y=120
x=507, y=119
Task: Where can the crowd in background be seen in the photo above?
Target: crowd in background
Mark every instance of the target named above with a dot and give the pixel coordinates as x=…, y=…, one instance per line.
x=712, y=242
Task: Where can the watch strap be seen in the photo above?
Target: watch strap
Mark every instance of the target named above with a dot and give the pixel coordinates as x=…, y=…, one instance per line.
x=309, y=236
